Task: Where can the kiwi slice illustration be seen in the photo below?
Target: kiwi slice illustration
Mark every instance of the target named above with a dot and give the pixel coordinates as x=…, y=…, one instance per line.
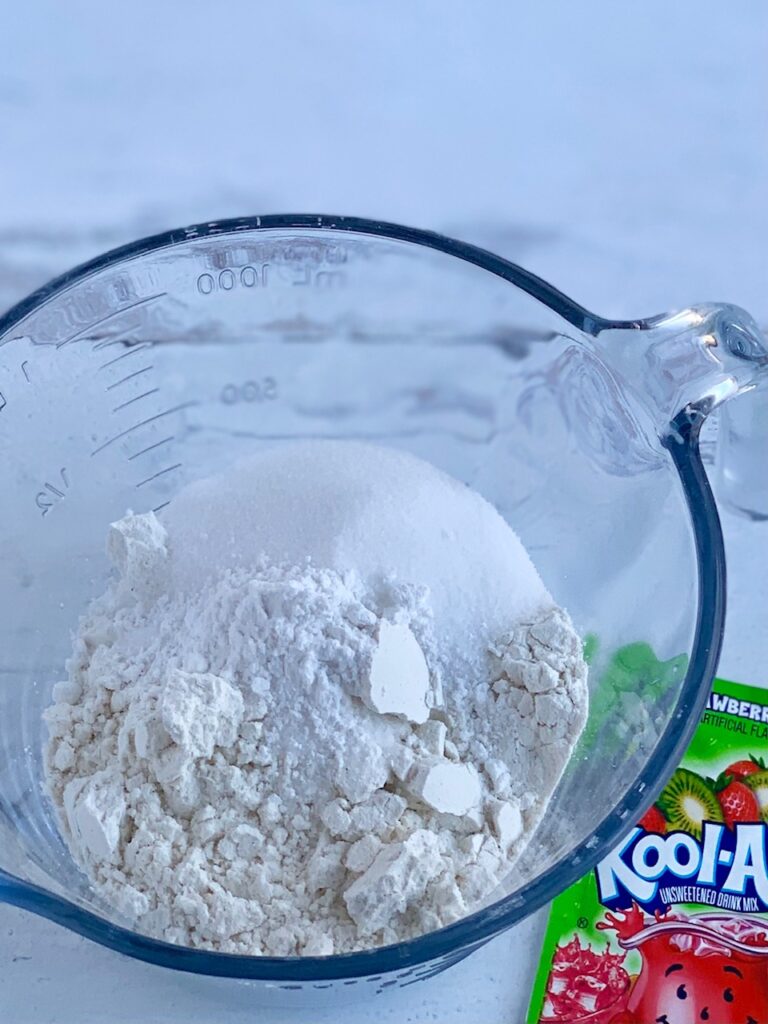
x=758, y=783
x=688, y=801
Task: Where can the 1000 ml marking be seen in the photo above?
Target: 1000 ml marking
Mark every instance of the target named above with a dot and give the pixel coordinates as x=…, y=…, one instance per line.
x=264, y=275
x=227, y=280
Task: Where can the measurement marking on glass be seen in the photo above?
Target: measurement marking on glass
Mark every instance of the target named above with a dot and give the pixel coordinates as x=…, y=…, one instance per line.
x=108, y=317
x=42, y=499
x=24, y=370
x=143, y=423
x=137, y=373
x=157, y=508
x=226, y=280
x=151, y=447
x=162, y=472
x=144, y=369
x=118, y=340
x=264, y=389
x=130, y=352
x=136, y=398
x=3, y=402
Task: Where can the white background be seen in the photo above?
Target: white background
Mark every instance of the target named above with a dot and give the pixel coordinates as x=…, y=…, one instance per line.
x=620, y=150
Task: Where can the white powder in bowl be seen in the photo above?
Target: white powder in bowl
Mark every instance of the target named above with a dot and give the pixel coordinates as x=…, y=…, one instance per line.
x=380, y=513
x=321, y=708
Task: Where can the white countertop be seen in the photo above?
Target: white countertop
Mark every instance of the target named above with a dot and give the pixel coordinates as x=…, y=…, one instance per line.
x=621, y=154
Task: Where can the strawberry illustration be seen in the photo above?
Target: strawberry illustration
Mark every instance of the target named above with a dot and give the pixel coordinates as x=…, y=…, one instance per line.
x=737, y=801
x=743, y=769
x=653, y=821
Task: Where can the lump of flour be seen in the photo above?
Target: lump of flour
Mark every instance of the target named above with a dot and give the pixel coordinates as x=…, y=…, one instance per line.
x=321, y=707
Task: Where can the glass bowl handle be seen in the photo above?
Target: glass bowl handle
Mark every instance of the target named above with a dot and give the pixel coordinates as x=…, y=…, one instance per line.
x=679, y=368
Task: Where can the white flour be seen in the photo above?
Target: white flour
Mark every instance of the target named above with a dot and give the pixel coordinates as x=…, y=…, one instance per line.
x=322, y=708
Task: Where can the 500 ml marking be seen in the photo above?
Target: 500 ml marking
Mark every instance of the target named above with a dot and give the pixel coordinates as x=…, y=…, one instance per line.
x=263, y=389
x=264, y=275
x=52, y=493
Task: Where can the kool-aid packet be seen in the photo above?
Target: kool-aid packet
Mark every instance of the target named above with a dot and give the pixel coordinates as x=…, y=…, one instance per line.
x=672, y=926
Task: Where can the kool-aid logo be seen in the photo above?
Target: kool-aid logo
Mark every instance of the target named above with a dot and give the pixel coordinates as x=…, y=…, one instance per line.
x=726, y=868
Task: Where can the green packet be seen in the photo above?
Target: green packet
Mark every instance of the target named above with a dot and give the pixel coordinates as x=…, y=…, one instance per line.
x=672, y=926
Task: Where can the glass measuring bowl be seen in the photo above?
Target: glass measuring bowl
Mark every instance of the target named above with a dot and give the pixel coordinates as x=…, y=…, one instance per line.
x=163, y=361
